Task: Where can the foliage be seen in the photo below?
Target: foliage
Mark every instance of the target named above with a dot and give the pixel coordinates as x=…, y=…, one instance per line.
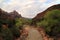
x=6, y=34
x=22, y=21
x=19, y=22
x=15, y=31
x=51, y=22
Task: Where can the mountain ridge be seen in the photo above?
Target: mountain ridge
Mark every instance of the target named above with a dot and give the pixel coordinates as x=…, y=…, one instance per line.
x=39, y=15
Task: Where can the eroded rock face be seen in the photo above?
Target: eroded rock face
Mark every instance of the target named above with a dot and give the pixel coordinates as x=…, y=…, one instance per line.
x=11, y=15
x=15, y=14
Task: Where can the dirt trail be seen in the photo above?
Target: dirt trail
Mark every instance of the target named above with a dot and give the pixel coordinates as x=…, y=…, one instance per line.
x=34, y=34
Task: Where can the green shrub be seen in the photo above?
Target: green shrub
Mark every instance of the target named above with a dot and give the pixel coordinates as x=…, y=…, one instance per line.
x=6, y=34
x=15, y=31
x=51, y=22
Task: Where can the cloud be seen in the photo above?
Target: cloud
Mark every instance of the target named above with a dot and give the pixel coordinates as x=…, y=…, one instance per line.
x=27, y=8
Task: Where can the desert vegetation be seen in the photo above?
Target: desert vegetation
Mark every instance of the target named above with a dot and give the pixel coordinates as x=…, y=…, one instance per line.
x=12, y=24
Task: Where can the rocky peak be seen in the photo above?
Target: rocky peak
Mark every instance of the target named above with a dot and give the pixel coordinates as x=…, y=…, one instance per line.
x=15, y=14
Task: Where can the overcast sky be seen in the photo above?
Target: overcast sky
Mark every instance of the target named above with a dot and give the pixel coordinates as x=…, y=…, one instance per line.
x=27, y=8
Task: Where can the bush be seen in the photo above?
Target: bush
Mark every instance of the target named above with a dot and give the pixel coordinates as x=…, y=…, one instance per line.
x=6, y=34
x=15, y=31
x=51, y=22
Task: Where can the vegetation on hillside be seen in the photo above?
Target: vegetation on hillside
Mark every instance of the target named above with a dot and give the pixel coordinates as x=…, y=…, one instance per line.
x=8, y=29
x=51, y=22
x=11, y=24
x=20, y=22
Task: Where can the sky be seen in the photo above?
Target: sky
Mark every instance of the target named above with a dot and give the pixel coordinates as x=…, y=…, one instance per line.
x=27, y=8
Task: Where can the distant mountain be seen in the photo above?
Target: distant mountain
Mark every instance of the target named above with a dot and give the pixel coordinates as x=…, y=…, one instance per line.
x=15, y=14
x=11, y=16
x=40, y=15
x=3, y=14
